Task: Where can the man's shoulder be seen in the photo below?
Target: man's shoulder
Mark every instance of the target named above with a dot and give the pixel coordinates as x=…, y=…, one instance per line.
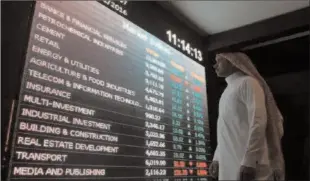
x=249, y=81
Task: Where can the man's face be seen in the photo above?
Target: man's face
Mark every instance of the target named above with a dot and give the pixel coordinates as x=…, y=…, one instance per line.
x=223, y=67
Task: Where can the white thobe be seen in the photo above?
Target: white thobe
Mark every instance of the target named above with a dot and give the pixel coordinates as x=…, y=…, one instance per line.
x=241, y=129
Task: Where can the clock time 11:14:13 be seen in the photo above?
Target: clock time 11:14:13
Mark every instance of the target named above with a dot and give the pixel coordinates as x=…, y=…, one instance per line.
x=182, y=44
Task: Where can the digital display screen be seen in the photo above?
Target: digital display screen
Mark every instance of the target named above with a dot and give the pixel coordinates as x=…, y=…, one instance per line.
x=102, y=99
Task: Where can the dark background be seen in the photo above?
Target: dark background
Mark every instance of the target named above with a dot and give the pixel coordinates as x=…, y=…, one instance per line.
x=16, y=17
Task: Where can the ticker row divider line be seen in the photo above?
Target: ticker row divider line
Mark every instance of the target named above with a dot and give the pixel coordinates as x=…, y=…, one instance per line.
x=108, y=166
x=99, y=142
x=133, y=156
x=115, y=178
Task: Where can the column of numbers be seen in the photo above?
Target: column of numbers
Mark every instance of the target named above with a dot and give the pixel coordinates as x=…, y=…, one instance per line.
x=177, y=116
x=198, y=123
x=154, y=111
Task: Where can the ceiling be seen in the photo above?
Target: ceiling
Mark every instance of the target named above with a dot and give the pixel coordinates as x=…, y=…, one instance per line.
x=212, y=17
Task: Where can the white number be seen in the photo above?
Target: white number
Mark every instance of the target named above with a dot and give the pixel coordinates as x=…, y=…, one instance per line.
x=152, y=134
x=199, y=55
x=188, y=48
x=169, y=35
x=152, y=172
x=155, y=153
x=154, y=126
x=155, y=162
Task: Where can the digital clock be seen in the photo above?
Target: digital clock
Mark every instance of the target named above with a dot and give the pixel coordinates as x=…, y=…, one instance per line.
x=184, y=46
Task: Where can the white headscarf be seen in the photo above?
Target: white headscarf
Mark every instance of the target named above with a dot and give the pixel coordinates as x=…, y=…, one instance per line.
x=274, y=130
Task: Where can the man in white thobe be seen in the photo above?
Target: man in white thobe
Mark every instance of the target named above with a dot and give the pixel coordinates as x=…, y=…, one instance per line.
x=248, y=146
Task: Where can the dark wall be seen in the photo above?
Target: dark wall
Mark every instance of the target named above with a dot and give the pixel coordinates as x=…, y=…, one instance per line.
x=282, y=58
x=14, y=33
x=296, y=124
x=15, y=22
